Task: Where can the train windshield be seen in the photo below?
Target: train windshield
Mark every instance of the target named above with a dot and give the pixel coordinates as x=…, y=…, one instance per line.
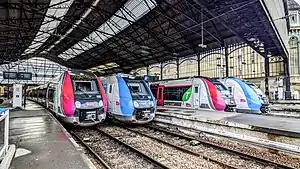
x=256, y=89
x=220, y=87
x=137, y=88
x=86, y=86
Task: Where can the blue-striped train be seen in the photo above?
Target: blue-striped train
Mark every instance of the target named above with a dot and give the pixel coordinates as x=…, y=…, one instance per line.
x=130, y=99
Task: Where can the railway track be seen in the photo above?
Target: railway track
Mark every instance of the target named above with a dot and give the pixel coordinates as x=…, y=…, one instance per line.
x=169, y=135
x=112, y=152
x=151, y=147
x=172, y=155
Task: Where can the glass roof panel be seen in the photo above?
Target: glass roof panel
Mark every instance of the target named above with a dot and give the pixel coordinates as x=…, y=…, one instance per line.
x=136, y=8
x=48, y=25
x=78, y=22
x=42, y=70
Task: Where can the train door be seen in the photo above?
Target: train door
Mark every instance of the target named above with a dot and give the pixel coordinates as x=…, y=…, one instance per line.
x=50, y=100
x=160, y=95
x=47, y=97
x=110, y=98
x=196, y=95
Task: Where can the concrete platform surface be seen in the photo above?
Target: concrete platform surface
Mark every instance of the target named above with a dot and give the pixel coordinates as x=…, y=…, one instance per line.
x=42, y=143
x=272, y=122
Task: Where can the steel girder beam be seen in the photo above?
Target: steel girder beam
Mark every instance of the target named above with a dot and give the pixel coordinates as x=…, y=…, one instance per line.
x=21, y=41
x=204, y=5
x=160, y=51
x=84, y=27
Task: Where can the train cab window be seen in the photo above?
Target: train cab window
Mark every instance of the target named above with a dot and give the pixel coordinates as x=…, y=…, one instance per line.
x=135, y=88
x=51, y=94
x=110, y=88
x=220, y=87
x=196, y=89
x=81, y=86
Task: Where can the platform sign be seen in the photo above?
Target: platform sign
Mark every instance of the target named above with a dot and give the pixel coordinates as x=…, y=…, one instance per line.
x=9, y=75
x=24, y=76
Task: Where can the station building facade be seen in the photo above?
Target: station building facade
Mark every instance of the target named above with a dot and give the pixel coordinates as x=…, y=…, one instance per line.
x=243, y=62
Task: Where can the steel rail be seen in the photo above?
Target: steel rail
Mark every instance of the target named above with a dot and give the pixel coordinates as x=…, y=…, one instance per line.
x=232, y=151
x=184, y=149
x=91, y=151
x=157, y=163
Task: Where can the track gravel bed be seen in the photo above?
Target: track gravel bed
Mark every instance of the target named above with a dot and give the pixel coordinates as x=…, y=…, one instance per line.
x=97, y=164
x=263, y=153
x=288, y=160
x=170, y=156
x=114, y=153
x=225, y=157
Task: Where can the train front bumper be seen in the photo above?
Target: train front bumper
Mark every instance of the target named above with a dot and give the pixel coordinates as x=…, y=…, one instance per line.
x=265, y=108
x=230, y=108
x=86, y=117
x=140, y=116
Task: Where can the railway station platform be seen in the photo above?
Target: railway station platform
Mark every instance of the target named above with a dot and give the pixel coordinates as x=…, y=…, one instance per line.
x=42, y=142
x=277, y=132
x=285, y=125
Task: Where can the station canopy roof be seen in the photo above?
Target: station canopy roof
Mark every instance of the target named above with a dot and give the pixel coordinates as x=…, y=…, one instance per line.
x=120, y=35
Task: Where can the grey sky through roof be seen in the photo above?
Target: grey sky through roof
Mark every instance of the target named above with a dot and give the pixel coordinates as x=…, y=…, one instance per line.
x=132, y=11
x=49, y=24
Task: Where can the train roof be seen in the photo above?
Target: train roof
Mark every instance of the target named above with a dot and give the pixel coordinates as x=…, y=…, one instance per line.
x=81, y=74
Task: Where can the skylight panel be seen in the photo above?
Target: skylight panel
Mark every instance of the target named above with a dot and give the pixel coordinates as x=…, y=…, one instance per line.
x=132, y=10
x=78, y=22
x=49, y=25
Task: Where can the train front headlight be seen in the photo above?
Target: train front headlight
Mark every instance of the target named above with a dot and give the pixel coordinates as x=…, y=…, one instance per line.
x=135, y=104
x=100, y=103
x=77, y=104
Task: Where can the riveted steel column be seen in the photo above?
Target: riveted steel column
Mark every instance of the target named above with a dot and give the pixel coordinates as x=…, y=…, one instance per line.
x=161, y=71
x=287, y=79
x=177, y=68
x=267, y=75
x=147, y=70
x=198, y=62
x=226, y=62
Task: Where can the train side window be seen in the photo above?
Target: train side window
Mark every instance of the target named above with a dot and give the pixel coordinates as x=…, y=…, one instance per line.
x=110, y=88
x=196, y=89
x=230, y=89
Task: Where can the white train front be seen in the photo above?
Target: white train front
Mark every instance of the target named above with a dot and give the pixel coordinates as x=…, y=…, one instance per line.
x=248, y=97
x=129, y=99
x=77, y=97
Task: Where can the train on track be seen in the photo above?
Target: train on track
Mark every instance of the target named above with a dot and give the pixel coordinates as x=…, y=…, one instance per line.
x=196, y=92
x=248, y=96
x=77, y=97
x=130, y=99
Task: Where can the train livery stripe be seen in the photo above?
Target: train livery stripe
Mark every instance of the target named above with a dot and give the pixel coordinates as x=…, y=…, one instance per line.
x=216, y=96
x=67, y=96
x=102, y=91
x=251, y=97
x=125, y=98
